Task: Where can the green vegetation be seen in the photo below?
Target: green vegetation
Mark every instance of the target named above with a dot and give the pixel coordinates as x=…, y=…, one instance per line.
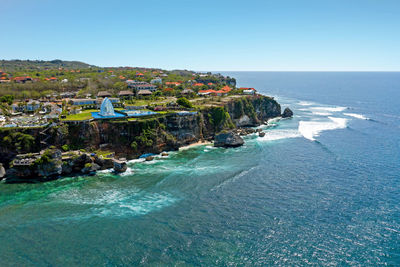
x=184, y=102
x=7, y=99
x=44, y=159
x=18, y=141
x=220, y=119
x=40, y=64
x=84, y=115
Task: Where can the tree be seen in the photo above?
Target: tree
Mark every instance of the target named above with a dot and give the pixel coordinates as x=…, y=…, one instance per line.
x=7, y=99
x=184, y=102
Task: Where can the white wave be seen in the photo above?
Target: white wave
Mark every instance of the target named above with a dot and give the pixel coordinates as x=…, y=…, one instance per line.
x=274, y=120
x=129, y=171
x=322, y=113
x=137, y=160
x=357, y=116
x=305, y=103
x=279, y=134
x=329, y=109
x=312, y=129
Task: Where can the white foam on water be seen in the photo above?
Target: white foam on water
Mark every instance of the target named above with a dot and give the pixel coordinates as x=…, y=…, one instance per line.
x=322, y=113
x=312, y=129
x=329, y=109
x=123, y=202
x=137, y=160
x=279, y=134
x=305, y=103
x=129, y=171
x=357, y=116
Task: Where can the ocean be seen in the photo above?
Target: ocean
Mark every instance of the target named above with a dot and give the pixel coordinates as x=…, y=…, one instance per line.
x=321, y=188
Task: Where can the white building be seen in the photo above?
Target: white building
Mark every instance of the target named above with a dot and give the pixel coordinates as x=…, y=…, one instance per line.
x=156, y=80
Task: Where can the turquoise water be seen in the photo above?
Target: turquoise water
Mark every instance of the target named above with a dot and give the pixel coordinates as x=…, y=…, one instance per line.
x=322, y=188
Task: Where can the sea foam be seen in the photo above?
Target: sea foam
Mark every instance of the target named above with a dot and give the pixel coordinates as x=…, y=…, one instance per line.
x=329, y=109
x=279, y=134
x=312, y=129
x=357, y=116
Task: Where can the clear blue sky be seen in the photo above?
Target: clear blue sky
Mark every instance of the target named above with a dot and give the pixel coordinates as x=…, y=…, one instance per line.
x=206, y=35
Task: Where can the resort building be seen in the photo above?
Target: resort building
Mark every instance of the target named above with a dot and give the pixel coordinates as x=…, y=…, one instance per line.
x=144, y=93
x=156, y=80
x=145, y=86
x=103, y=94
x=126, y=94
x=82, y=101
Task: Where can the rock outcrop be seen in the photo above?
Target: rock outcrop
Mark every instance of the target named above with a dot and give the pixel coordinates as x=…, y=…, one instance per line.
x=50, y=164
x=229, y=139
x=287, y=113
x=2, y=171
x=120, y=166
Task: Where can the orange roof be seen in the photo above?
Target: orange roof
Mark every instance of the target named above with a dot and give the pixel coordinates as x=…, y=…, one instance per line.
x=198, y=84
x=210, y=84
x=226, y=89
x=172, y=83
x=168, y=89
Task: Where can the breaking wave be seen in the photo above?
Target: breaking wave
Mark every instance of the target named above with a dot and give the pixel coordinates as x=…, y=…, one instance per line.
x=357, y=116
x=280, y=134
x=328, y=109
x=312, y=129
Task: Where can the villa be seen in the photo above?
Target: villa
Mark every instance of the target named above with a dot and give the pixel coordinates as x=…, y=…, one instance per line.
x=103, y=94
x=144, y=93
x=144, y=86
x=126, y=94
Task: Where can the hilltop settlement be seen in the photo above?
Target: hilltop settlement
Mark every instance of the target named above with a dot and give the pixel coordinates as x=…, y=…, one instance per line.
x=60, y=118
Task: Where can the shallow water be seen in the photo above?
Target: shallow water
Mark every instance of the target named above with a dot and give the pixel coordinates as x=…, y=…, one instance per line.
x=321, y=188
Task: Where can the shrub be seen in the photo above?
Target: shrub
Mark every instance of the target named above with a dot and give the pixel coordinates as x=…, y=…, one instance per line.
x=134, y=145
x=65, y=147
x=184, y=102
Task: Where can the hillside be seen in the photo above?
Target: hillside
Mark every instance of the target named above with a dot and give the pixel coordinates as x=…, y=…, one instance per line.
x=17, y=65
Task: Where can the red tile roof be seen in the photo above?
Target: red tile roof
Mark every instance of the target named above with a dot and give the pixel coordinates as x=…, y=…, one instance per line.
x=226, y=89
x=198, y=84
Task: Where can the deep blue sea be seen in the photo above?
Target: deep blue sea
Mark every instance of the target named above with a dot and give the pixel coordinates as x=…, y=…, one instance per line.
x=322, y=188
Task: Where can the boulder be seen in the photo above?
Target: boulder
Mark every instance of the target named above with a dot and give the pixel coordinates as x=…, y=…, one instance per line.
x=261, y=134
x=104, y=163
x=229, y=139
x=149, y=158
x=164, y=154
x=287, y=113
x=91, y=168
x=120, y=166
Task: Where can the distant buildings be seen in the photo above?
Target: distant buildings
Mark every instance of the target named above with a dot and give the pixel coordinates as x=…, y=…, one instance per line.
x=156, y=80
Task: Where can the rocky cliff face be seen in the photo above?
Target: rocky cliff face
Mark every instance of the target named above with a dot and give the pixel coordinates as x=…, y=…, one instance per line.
x=253, y=111
x=167, y=132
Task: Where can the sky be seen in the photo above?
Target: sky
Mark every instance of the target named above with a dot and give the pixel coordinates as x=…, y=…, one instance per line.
x=207, y=35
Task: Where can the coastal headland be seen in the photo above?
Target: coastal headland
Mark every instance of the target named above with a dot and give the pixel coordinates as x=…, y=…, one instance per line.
x=86, y=137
